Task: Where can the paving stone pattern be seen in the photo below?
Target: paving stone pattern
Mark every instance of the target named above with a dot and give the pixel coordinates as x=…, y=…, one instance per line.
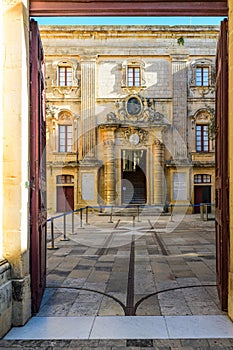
x=163, y=344
x=90, y=268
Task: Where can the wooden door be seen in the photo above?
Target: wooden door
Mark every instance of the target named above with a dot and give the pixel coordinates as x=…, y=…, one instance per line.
x=202, y=194
x=197, y=198
x=65, y=198
x=38, y=213
x=222, y=180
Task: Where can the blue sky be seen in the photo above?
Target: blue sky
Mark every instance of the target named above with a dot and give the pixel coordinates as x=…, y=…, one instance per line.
x=129, y=20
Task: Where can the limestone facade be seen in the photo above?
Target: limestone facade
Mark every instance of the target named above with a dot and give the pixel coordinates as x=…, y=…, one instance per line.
x=139, y=106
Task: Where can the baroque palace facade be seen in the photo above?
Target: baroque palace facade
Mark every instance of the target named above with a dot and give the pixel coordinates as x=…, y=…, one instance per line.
x=130, y=115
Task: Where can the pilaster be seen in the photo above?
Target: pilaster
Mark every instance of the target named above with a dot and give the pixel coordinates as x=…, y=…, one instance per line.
x=179, y=74
x=109, y=165
x=88, y=119
x=158, y=152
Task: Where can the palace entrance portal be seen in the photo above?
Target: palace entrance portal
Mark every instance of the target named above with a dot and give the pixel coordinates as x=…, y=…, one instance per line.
x=133, y=176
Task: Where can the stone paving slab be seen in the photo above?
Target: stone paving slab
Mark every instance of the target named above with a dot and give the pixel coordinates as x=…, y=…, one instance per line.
x=97, y=256
x=91, y=262
x=132, y=344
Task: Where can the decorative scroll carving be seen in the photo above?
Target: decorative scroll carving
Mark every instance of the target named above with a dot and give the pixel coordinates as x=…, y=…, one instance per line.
x=66, y=91
x=133, y=63
x=65, y=117
x=135, y=136
x=136, y=109
x=71, y=90
x=157, y=142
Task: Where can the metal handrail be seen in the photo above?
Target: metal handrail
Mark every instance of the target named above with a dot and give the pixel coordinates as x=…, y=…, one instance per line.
x=111, y=207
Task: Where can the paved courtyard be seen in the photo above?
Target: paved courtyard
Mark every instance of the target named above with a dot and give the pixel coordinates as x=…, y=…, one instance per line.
x=146, y=265
x=129, y=282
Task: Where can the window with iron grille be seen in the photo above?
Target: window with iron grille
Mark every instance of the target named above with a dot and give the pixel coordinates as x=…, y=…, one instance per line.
x=65, y=76
x=202, y=178
x=202, y=76
x=133, y=76
x=65, y=138
x=202, y=138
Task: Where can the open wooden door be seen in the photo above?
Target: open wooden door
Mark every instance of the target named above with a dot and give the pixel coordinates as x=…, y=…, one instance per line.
x=38, y=214
x=222, y=183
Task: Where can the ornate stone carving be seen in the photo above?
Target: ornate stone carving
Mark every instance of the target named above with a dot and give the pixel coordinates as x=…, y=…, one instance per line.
x=64, y=117
x=157, y=142
x=109, y=143
x=202, y=90
x=66, y=91
x=71, y=90
x=136, y=109
x=135, y=62
x=202, y=115
x=135, y=136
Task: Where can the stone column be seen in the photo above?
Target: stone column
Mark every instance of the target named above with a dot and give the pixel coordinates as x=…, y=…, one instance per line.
x=179, y=74
x=158, y=152
x=109, y=166
x=14, y=150
x=88, y=118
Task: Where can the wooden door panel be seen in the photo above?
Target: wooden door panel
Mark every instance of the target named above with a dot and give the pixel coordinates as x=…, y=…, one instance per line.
x=69, y=195
x=38, y=213
x=197, y=198
x=60, y=200
x=221, y=161
x=65, y=198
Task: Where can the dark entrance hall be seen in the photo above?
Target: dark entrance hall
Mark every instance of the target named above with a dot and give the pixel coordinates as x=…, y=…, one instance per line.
x=133, y=177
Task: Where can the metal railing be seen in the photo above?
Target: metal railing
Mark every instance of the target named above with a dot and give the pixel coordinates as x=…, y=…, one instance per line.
x=110, y=211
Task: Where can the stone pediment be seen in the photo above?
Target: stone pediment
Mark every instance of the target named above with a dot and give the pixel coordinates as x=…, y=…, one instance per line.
x=135, y=110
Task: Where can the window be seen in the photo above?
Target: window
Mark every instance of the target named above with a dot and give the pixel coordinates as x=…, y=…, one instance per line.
x=65, y=179
x=202, y=178
x=202, y=138
x=133, y=76
x=64, y=76
x=202, y=76
x=65, y=138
